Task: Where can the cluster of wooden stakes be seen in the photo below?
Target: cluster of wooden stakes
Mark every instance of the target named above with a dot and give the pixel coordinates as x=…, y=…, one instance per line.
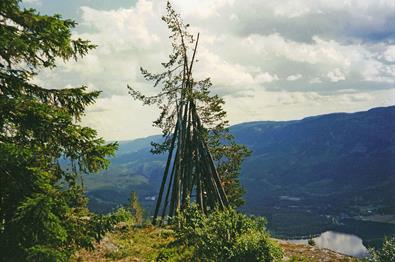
x=190, y=171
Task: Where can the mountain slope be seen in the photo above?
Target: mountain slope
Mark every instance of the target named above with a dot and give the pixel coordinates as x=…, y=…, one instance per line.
x=346, y=159
x=335, y=164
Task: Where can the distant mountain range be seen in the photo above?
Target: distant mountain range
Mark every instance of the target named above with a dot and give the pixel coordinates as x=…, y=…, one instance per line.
x=334, y=164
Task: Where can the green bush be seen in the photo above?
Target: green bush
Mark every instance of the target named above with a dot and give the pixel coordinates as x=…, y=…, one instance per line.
x=225, y=236
x=311, y=242
x=386, y=253
x=123, y=215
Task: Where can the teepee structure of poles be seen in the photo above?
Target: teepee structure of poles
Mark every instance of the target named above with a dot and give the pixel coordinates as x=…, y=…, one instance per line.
x=190, y=172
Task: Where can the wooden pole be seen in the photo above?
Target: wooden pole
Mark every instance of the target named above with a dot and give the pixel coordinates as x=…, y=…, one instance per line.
x=159, y=200
x=193, y=165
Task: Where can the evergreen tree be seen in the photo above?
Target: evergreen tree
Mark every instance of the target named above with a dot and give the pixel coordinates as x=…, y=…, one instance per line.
x=135, y=206
x=43, y=214
x=177, y=86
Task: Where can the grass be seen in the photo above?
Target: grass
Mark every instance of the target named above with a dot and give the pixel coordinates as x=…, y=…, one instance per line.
x=129, y=244
x=132, y=243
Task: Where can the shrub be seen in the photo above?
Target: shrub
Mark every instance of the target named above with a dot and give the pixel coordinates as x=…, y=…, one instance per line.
x=123, y=215
x=386, y=253
x=311, y=242
x=225, y=236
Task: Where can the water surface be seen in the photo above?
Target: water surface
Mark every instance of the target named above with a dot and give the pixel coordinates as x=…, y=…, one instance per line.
x=347, y=244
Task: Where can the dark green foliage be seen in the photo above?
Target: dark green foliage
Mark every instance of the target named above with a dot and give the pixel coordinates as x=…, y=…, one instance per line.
x=43, y=215
x=386, y=253
x=224, y=236
x=311, y=242
x=229, y=156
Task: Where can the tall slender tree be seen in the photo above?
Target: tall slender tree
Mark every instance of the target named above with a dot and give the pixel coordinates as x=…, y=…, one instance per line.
x=202, y=155
x=43, y=214
x=136, y=209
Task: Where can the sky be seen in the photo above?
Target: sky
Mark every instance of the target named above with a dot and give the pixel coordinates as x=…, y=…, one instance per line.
x=269, y=60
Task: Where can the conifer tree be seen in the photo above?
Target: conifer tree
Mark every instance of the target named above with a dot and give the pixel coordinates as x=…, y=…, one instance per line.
x=43, y=214
x=137, y=210
x=189, y=111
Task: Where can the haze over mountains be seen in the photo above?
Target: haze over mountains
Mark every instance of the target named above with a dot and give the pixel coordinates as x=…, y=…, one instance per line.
x=335, y=164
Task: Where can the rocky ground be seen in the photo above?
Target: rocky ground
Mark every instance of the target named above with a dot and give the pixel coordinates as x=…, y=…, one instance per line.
x=301, y=252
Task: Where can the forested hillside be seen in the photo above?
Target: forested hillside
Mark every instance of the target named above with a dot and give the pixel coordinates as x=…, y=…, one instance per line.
x=335, y=162
x=317, y=162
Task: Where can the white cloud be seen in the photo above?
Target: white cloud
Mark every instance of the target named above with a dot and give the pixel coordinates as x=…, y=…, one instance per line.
x=315, y=80
x=125, y=28
x=221, y=71
x=319, y=52
x=297, y=8
x=254, y=51
x=336, y=75
x=32, y=2
x=265, y=78
x=291, y=9
x=269, y=105
x=120, y=118
x=389, y=54
x=202, y=8
x=294, y=77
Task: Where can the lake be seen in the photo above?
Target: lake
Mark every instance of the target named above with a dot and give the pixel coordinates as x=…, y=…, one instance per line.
x=346, y=244
x=344, y=235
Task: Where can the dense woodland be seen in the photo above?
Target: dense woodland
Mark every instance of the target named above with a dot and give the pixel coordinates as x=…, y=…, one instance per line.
x=44, y=151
